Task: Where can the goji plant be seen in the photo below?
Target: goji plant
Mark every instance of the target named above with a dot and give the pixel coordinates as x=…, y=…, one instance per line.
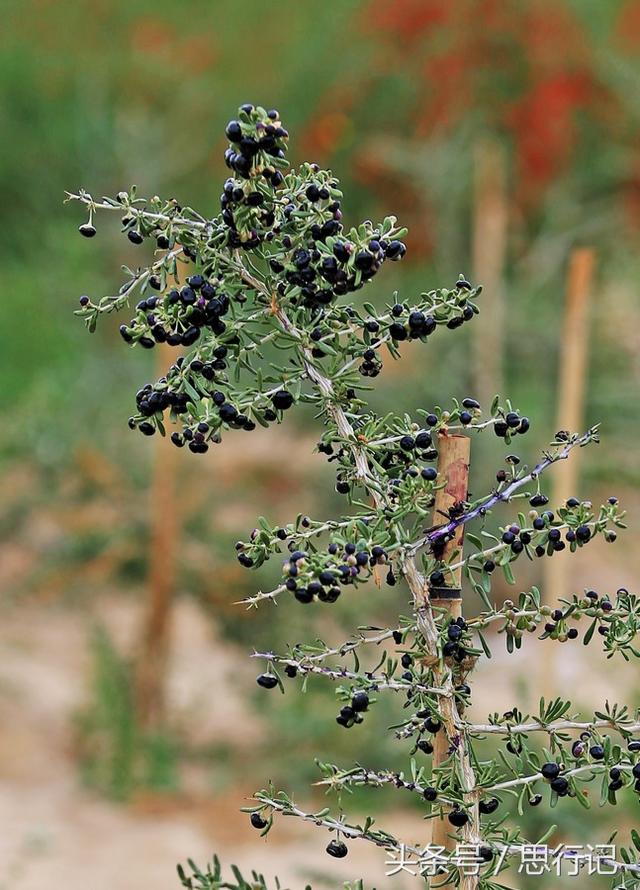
x=276, y=273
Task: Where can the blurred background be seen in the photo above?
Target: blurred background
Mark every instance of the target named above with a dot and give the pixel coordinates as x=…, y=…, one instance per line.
x=505, y=136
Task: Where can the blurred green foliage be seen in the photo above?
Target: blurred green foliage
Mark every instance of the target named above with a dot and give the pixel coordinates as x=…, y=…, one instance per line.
x=116, y=757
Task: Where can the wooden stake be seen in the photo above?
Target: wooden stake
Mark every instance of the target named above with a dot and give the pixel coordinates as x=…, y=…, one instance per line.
x=453, y=466
x=571, y=396
x=490, y=218
x=154, y=645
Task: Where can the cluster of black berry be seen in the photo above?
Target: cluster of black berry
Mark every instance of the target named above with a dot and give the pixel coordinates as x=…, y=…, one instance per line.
x=315, y=260
x=403, y=452
x=179, y=317
x=228, y=413
x=258, y=142
x=595, y=606
x=584, y=750
x=550, y=772
x=371, y=364
x=428, y=725
x=399, y=459
x=413, y=324
x=556, y=628
x=455, y=634
x=257, y=155
x=576, y=537
x=510, y=425
x=398, y=454
x=248, y=213
x=517, y=539
x=176, y=391
x=151, y=402
x=326, y=266
x=319, y=578
x=352, y=713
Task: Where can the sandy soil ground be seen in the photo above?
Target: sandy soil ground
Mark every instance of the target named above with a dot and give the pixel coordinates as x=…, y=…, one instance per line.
x=56, y=833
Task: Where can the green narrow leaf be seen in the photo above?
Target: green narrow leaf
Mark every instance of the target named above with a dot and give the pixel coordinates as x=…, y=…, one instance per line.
x=484, y=645
x=583, y=800
x=590, y=631
x=483, y=596
x=508, y=574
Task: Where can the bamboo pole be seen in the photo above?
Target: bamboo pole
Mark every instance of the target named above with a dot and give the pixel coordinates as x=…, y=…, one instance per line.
x=453, y=466
x=489, y=249
x=571, y=395
x=155, y=635
x=569, y=415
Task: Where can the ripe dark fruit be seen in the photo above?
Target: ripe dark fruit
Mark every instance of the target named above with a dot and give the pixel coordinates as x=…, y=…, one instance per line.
x=267, y=681
x=398, y=331
x=338, y=849
x=282, y=400
x=431, y=724
x=87, y=230
x=597, y=752
x=550, y=770
x=395, y=250
x=489, y=806
x=360, y=701
x=257, y=821
x=228, y=412
x=458, y=818
x=538, y=500
x=135, y=237
x=303, y=595
x=560, y=786
x=234, y=131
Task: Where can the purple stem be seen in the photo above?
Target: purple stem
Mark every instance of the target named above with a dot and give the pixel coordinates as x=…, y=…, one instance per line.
x=505, y=495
